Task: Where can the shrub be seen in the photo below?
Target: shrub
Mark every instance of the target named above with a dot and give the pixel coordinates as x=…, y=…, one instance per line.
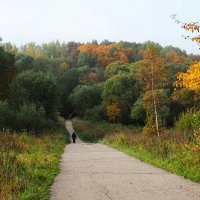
x=138, y=114
x=166, y=116
x=189, y=123
x=38, y=88
x=97, y=113
x=31, y=118
x=85, y=97
x=6, y=116
x=116, y=68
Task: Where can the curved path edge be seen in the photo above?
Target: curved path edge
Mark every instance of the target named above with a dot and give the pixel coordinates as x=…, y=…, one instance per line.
x=98, y=172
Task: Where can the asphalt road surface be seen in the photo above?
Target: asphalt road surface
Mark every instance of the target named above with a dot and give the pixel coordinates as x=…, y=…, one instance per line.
x=97, y=172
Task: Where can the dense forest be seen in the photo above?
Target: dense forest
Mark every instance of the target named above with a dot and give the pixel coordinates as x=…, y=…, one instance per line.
x=107, y=81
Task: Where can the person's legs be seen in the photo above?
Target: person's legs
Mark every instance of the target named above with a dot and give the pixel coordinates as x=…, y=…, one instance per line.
x=74, y=141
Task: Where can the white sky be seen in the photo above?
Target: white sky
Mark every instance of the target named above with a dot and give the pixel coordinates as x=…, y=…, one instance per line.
x=40, y=21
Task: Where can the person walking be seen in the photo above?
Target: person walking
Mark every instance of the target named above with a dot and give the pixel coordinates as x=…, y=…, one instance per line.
x=74, y=137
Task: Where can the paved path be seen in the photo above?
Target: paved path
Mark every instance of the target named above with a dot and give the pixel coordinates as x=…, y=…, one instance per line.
x=97, y=172
x=70, y=129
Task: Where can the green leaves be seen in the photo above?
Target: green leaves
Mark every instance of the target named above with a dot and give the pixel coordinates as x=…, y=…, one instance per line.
x=38, y=88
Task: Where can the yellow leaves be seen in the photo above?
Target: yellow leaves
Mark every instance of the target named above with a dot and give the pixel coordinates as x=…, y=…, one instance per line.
x=160, y=97
x=64, y=66
x=113, y=111
x=194, y=26
x=196, y=39
x=191, y=79
x=38, y=53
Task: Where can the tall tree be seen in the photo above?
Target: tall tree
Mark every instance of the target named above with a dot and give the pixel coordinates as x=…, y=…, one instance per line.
x=153, y=75
x=7, y=71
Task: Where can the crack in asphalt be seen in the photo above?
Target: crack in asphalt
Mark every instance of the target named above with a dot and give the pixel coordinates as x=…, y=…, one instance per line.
x=167, y=189
x=103, y=159
x=95, y=152
x=120, y=173
x=101, y=186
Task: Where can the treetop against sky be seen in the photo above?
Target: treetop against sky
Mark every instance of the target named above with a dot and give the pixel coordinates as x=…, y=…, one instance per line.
x=23, y=21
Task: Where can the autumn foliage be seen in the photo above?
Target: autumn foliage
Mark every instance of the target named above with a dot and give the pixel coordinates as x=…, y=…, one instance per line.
x=192, y=27
x=191, y=79
x=153, y=75
x=126, y=72
x=106, y=54
x=113, y=112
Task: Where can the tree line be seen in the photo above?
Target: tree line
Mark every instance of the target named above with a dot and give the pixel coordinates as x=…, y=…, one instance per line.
x=130, y=83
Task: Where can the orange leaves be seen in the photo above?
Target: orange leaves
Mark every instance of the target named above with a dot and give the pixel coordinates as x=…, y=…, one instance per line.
x=191, y=79
x=123, y=57
x=106, y=54
x=103, y=56
x=89, y=47
x=113, y=111
x=91, y=78
x=172, y=57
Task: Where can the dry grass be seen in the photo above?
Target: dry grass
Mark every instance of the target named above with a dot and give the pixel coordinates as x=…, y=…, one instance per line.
x=29, y=164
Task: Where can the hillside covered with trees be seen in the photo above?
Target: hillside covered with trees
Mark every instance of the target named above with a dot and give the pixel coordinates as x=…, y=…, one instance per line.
x=107, y=81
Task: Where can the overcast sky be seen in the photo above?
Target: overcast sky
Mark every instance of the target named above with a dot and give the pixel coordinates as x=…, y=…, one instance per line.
x=40, y=21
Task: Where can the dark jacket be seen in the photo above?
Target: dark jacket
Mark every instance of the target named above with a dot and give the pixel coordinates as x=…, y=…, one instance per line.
x=74, y=135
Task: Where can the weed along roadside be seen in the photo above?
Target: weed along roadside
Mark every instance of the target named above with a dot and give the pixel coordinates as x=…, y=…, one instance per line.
x=171, y=151
x=29, y=163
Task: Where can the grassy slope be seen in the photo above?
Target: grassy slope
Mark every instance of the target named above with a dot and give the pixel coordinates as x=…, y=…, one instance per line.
x=168, y=153
x=29, y=164
x=92, y=132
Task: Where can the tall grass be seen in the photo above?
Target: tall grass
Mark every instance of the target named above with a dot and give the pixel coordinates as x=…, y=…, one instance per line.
x=29, y=164
x=189, y=124
x=91, y=131
x=171, y=151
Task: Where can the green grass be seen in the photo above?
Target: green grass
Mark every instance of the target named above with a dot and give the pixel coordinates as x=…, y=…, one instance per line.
x=90, y=131
x=29, y=163
x=175, y=162
x=171, y=151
